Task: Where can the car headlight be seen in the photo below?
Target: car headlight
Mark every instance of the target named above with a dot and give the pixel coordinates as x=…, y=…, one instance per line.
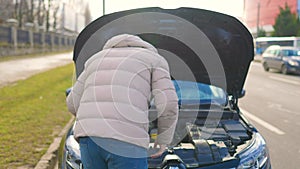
x=255, y=156
x=73, y=161
x=293, y=63
x=72, y=154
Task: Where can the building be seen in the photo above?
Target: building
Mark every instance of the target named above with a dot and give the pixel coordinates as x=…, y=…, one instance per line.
x=262, y=13
x=72, y=15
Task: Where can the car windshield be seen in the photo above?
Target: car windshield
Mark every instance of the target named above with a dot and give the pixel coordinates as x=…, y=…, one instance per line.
x=199, y=93
x=290, y=52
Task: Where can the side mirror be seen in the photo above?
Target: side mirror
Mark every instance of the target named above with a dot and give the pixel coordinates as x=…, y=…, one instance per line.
x=242, y=94
x=68, y=91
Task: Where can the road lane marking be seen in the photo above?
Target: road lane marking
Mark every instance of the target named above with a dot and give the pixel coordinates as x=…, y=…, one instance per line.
x=263, y=123
x=280, y=108
x=284, y=80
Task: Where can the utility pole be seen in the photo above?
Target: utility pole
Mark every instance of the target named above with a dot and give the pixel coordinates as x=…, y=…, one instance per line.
x=257, y=19
x=103, y=7
x=244, y=9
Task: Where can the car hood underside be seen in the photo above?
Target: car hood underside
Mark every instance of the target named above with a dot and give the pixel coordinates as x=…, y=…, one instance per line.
x=199, y=45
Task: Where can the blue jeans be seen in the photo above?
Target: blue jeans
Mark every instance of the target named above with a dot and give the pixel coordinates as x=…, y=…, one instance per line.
x=104, y=153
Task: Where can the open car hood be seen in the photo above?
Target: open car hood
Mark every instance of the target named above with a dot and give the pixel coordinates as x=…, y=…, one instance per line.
x=199, y=45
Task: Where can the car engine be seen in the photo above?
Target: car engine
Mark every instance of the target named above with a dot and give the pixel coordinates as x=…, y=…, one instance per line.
x=203, y=138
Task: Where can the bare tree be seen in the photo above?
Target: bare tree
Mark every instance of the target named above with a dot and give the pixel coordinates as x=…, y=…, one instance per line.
x=55, y=12
x=31, y=12
x=20, y=12
x=41, y=12
x=6, y=10
x=26, y=11
x=48, y=16
x=16, y=9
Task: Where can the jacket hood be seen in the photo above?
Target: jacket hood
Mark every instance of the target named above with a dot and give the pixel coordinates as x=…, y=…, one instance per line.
x=199, y=45
x=126, y=40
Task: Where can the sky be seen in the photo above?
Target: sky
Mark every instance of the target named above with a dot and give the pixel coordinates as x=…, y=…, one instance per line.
x=230, y=7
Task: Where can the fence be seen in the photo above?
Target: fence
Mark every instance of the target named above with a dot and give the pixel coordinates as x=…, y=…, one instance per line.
x=5, y=34
x=15, y=41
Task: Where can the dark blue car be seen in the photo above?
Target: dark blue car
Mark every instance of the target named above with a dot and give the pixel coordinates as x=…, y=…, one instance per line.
x=209, y=55
x=283, y=58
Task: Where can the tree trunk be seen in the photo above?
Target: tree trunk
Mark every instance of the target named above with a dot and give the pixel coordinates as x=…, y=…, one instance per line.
x=55, y=17
x=20, y=14
x=48, y=16
x=41, y=11
x=31, y=11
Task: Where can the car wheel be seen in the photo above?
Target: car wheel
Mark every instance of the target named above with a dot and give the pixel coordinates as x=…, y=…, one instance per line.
x=266, y=68
x=284, y=69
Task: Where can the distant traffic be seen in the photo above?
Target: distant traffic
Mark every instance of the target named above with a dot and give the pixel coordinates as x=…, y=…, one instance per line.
x=262, y=43
x=279, y=53
x=286, y=59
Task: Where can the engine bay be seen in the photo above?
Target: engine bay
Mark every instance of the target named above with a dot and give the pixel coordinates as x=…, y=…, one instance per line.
x=203, y=137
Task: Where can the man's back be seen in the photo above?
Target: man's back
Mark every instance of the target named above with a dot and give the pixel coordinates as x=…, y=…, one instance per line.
x=115, y=90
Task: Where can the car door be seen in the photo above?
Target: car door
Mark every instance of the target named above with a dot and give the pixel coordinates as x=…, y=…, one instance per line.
x=277, y=59
x=269, y=57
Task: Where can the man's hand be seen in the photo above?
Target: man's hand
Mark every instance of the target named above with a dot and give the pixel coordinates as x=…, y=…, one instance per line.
x=162, y=148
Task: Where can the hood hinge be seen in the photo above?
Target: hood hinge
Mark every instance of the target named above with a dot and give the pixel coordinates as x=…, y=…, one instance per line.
x=233, y=102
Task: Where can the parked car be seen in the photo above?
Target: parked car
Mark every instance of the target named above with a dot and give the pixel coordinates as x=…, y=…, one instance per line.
x=208, y=72
x=283, y=58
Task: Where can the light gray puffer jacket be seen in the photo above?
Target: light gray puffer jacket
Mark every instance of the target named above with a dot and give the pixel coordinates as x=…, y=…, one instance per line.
x=111, y=97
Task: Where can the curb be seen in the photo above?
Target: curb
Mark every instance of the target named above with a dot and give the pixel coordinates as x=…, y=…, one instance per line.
x=50, y=158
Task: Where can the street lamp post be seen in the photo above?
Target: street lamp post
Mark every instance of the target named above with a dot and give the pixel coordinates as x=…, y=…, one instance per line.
x=103, y=7
x=257, y=19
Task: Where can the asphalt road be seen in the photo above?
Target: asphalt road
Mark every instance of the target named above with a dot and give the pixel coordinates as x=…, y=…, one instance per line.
x=272, y=104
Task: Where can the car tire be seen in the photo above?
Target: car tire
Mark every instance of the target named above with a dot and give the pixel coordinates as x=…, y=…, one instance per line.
x=284, y=69
x=266, y=68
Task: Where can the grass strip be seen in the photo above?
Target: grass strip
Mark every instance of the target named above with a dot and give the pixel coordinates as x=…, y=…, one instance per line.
x=32, y=113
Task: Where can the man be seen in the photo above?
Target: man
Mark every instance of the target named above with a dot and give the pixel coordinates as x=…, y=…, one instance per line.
x=111, y=98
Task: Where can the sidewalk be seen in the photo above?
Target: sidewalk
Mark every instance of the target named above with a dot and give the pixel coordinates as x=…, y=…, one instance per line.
x=14, y=70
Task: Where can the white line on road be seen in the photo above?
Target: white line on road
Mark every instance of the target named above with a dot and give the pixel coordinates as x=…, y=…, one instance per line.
x=263, y=123
x=284, y=80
